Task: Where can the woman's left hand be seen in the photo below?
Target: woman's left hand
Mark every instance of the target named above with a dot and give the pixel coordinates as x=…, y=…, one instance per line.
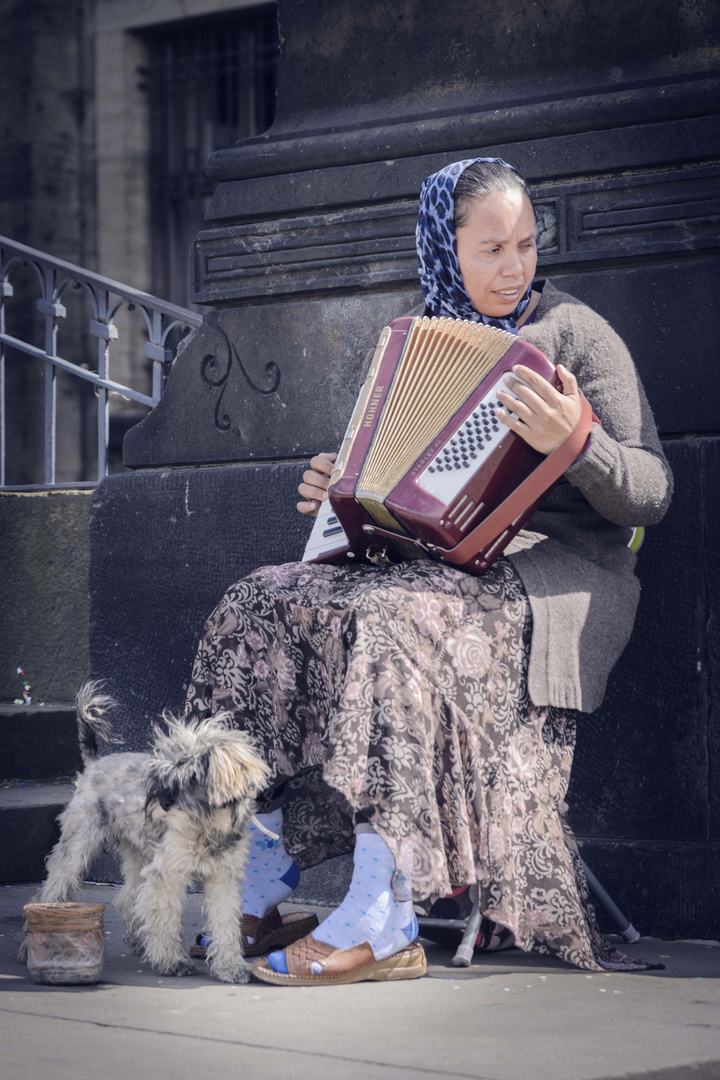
x=544, y=416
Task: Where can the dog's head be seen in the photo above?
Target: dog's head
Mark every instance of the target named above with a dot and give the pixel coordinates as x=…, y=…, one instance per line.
x=202, y=765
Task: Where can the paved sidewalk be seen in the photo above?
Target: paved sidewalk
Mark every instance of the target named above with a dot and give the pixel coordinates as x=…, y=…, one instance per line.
x=512, y=1017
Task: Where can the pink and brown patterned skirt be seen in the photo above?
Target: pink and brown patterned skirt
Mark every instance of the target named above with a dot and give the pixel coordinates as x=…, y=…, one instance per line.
x=398, y=697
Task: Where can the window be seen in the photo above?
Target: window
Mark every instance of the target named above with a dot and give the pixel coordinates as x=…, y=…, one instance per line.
x=209, y=83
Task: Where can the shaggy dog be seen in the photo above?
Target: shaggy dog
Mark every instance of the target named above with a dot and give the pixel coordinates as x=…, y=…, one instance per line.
x=176, y=814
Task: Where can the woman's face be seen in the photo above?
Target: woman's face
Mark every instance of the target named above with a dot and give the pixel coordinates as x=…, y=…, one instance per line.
x=496, y=251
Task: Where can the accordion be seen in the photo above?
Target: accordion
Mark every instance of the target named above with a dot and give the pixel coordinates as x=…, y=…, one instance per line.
x=426, y=470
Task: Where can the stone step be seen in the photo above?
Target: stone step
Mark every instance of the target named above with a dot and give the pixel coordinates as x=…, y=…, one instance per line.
x=38, y=742
x=28, y=826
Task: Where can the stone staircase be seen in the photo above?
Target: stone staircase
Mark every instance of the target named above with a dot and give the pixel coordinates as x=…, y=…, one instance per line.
x=39, y=756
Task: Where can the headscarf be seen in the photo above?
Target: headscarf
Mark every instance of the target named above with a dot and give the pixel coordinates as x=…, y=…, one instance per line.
x=440, y=277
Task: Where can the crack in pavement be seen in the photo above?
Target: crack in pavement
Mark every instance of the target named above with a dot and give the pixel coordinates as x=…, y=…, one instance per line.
x=411, y=1067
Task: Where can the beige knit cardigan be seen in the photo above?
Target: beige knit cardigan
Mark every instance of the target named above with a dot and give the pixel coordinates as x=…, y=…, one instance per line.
x=573, y=556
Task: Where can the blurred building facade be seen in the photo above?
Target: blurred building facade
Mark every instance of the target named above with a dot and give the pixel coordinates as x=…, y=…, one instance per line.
x=114, y=107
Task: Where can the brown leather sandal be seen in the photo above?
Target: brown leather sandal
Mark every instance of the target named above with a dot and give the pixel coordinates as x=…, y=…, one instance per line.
x=273, y=931
x=335, y=967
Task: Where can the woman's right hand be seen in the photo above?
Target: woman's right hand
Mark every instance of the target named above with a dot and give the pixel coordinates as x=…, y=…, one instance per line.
x=315, y=483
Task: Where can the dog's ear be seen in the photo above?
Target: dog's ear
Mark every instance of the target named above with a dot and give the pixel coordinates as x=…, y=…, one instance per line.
x=235, y=770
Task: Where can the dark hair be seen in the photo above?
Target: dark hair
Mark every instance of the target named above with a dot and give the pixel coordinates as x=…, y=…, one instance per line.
x=482, y=179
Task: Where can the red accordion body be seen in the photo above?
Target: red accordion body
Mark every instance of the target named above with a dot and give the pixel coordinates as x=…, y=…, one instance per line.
x=426, y=469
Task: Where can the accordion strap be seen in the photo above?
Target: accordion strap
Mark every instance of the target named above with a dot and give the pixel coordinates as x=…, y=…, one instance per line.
x=528, y=492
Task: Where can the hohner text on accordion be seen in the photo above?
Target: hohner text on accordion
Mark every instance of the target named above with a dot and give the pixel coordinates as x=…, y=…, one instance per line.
x=360, y=406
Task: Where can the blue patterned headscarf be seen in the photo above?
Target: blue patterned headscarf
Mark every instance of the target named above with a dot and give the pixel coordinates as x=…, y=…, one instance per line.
x=440, y=277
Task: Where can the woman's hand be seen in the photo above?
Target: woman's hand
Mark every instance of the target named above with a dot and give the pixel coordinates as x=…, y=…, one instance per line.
x=315, y=483
x=544, y=417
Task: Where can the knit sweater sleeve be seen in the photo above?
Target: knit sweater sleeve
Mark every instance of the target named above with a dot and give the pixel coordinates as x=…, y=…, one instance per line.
x=623, y=474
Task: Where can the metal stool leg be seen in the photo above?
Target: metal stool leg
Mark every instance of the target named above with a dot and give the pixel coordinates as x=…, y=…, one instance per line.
x=463, y=956
x=625, y=927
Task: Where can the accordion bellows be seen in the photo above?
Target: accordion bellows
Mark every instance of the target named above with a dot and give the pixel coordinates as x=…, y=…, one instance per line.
x=426, y=469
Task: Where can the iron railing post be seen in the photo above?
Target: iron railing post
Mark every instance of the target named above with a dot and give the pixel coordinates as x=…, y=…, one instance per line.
x=6, y=290
x=52, y=310
x=105, y=332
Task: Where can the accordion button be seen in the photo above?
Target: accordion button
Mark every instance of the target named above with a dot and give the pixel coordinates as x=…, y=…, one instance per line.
x=431, y=469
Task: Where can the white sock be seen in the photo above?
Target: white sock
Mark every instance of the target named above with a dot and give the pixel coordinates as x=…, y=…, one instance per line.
x=369, y=911
x=271, y=873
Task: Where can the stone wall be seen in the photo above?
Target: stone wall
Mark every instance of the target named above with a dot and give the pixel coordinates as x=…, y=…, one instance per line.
x=44, y=607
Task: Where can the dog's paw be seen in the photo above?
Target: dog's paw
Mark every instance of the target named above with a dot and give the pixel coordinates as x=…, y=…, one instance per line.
x=233, y=973
x=178, y=967
x=185, y=967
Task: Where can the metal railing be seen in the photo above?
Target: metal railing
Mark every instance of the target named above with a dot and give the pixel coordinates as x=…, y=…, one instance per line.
x=107, y=298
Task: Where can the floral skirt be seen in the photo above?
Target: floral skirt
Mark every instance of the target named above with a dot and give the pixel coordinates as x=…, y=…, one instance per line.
x=398, y=697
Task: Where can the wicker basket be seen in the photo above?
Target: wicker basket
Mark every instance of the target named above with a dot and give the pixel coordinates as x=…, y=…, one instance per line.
x=66, y=943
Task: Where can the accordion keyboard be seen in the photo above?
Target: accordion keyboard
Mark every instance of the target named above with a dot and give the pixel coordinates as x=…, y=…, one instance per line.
x=327, y=535
x=466, y=451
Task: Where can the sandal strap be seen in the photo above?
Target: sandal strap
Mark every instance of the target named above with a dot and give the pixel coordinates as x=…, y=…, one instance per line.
x=301, y=955
x=258, y=928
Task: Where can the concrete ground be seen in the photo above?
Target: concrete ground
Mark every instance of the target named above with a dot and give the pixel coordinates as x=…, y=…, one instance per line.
x=508, y=1017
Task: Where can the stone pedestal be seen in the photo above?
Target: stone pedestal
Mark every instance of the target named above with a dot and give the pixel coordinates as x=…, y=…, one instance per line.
x=164, y=546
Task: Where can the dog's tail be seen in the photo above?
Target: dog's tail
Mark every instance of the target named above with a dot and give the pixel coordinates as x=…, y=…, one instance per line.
x=92, y=706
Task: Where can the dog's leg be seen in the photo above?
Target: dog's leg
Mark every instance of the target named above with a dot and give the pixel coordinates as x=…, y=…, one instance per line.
x=126, y=902
x=223, y=909
x=159, y=912
x=79, y=842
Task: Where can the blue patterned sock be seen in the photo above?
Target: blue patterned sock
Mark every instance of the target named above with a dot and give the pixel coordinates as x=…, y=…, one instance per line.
x=369, y=911
x=271, y=873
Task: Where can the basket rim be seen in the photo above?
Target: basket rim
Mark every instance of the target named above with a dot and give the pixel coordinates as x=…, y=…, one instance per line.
x=63, y=916
x=63, y=905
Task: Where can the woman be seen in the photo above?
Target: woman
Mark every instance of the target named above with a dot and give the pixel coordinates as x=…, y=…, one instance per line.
x=436, y=705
